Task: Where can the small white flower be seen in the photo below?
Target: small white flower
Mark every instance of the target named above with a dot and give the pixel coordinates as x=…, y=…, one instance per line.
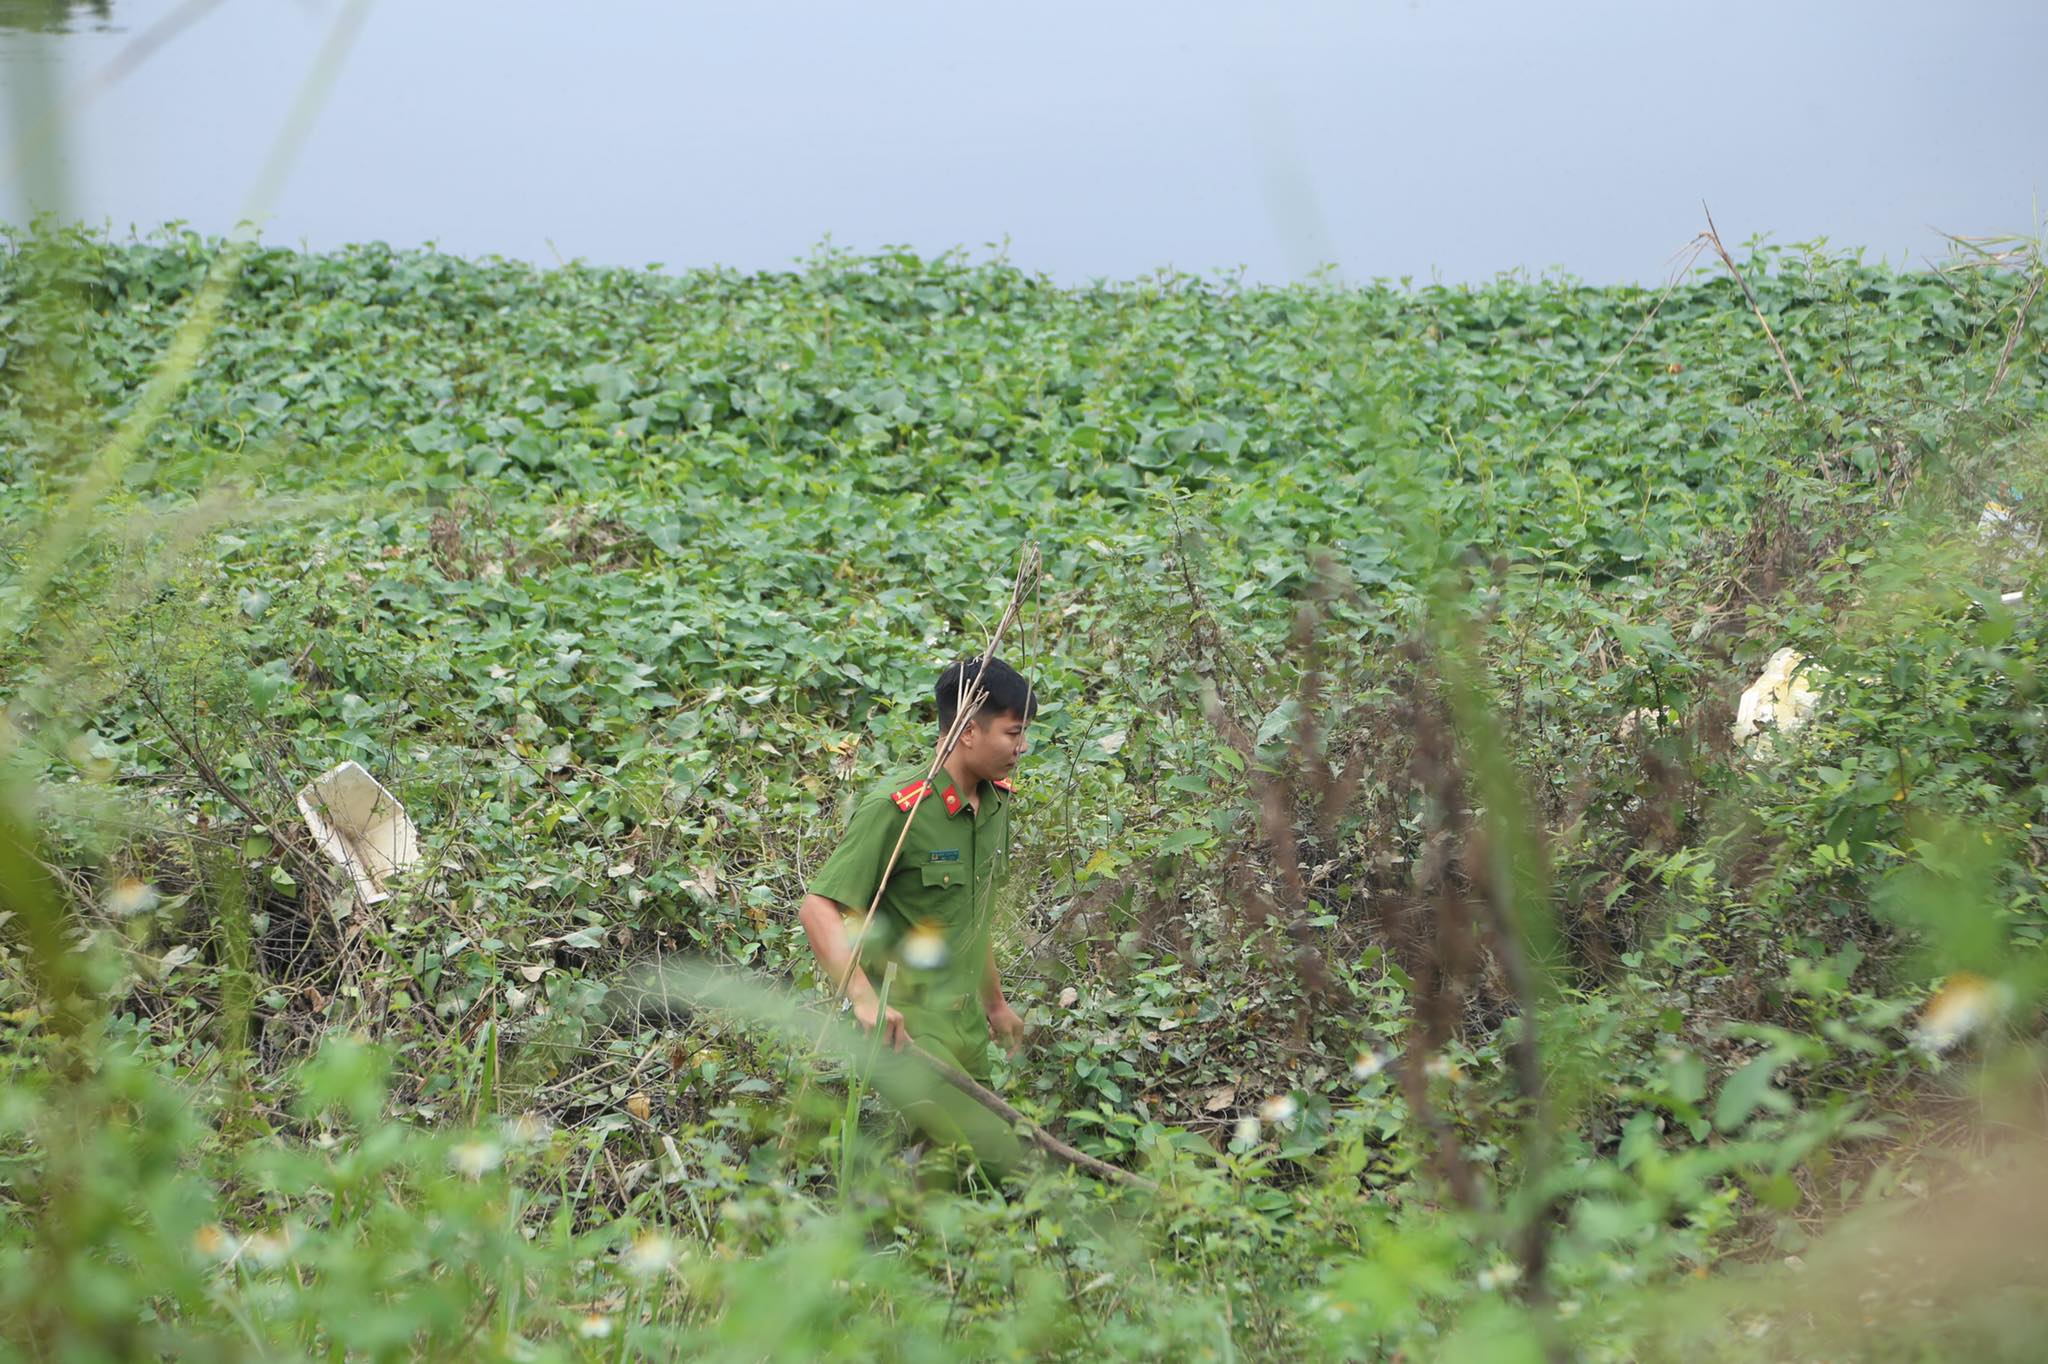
x=214, y=1242
x=1246, y=1133
x=1962, y=1006
x=648, y=1256
x=476, y=1158
x=1278, y=1110
x=268, y=1249
x=1368, y=1064
x=594, y=1326
x=1499, y=1276
x=924, y=947
x=131, y=895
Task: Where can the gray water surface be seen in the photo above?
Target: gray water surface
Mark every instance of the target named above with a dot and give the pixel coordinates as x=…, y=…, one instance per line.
x=1435, y=138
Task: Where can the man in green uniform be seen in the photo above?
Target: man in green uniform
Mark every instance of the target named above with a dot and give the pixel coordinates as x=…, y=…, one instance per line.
x=934, y=918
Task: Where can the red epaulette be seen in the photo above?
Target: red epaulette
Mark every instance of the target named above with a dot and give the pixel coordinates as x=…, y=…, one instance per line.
x=909, y=796
x=1002, y=784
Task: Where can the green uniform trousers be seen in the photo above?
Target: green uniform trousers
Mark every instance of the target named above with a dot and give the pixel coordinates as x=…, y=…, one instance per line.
x=957, y=1124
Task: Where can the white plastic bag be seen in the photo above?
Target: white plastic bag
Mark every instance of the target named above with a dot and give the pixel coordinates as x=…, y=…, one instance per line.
x=1779, y=701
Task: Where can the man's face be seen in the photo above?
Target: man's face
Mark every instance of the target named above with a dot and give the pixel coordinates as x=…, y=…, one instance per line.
x=999, y=743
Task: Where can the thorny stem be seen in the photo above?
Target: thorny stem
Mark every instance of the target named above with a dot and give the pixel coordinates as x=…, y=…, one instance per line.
x=1678, y=275
x=1466, y=878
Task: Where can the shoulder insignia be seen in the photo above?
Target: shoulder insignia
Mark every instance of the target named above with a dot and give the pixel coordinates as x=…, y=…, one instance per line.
x=1002, y=784
x=952, y=799
x=909, y=796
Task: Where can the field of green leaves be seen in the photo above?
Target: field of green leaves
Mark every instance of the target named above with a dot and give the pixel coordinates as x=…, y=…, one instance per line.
x=1391, y=895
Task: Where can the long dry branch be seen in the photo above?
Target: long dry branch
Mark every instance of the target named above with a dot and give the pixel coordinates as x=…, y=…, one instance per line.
x=2013, y=337
x=1713, y=234
x=1039, y=1137
x=288, y=840
x=1678, y=275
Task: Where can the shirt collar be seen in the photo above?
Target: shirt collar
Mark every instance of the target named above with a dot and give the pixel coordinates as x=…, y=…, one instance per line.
x=953, y=801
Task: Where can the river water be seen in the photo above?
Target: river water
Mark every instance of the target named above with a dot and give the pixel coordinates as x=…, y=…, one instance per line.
x=1447, y=139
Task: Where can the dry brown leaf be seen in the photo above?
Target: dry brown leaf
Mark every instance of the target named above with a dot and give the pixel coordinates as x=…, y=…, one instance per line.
x=1219, y=1098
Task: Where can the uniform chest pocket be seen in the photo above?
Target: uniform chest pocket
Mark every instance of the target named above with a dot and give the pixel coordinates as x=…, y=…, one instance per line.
x=944, y=886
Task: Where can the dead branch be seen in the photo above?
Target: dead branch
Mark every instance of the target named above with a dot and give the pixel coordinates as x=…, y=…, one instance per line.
x=1678, y=275
x=1039, y=1137
x=2013, y=337
x=315, y=874
x=1713, y=234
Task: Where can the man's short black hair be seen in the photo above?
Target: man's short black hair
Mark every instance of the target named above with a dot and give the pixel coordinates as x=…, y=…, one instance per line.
x=1008, y=692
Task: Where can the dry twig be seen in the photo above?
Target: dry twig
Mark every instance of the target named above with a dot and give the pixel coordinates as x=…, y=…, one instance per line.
x=1678, y=275
x=287, y=838
x=1039, y=1137
x=1713, y=235
x=2013, y=338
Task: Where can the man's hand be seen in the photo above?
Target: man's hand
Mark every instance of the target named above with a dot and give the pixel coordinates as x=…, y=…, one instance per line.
x=1005, y=1025
x=897, y=1035
x=824, y=924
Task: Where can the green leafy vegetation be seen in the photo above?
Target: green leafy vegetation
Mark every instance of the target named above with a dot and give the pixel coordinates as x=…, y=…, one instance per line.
x=1390, y=891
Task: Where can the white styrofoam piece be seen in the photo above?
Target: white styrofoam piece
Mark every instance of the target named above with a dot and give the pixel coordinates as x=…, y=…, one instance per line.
x=361, y=826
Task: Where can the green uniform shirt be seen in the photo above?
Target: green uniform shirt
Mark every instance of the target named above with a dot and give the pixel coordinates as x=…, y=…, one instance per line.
x=934, y=918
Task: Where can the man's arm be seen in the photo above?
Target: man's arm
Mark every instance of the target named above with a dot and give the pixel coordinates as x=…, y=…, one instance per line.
x=825, y=925
x=1003, y=1021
